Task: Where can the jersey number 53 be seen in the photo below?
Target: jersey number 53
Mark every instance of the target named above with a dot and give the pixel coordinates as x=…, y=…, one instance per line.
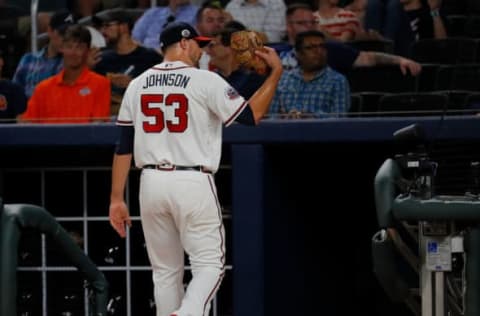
x=180, y=104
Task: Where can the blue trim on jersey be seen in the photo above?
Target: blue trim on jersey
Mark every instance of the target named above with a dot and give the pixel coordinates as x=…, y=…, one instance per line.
x=246, y=116
x=124, y=144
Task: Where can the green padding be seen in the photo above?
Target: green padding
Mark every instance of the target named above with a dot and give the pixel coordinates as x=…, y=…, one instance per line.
x=385, y=267
x=18, y=216
x=436, y=208
x=9, y=238
x=385, y=191
x=472, y=248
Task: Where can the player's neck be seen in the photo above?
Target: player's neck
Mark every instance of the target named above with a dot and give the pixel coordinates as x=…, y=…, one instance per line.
x=174, y=55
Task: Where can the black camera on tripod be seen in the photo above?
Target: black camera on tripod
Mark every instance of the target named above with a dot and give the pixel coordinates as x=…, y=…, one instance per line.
x=418, y=170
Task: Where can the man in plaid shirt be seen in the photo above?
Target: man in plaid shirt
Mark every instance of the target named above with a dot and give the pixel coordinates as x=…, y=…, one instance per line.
x=313, y=89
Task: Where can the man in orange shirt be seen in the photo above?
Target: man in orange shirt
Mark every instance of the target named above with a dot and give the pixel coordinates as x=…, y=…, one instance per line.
x=76, y=94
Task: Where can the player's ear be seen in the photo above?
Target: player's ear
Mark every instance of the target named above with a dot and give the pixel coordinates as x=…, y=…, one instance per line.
x=184, y=43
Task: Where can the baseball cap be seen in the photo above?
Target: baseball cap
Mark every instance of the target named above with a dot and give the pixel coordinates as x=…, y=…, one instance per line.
x=175, y=31
x=116, y=15
x=61, y=20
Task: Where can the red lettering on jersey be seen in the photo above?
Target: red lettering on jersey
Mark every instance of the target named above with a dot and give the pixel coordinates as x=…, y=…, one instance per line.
x=178, y=101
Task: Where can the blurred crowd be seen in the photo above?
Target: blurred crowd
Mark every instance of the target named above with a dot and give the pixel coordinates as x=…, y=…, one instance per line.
x=89, y=50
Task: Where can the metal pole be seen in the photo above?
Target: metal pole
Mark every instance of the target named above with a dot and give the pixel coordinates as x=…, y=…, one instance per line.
x=33, y=18
x=153, y=3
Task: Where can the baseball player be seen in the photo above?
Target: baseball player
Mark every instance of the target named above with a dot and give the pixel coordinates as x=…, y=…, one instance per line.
x=171, y=120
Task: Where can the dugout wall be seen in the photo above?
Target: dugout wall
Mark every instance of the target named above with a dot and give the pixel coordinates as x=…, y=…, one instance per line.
x=297, y=195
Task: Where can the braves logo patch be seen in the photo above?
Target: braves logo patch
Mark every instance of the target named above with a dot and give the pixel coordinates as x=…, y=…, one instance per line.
x=231, y=93
x=85, y=91
x=3, y=103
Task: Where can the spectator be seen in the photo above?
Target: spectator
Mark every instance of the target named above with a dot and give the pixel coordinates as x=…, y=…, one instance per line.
x=337, y=23
x=12, y=98
x=358, y=7
x=83, y=9
x=425, y=19
x=125, y=58
x=35, y=67
x=222, y=59
x=266, y=16
x=341, y=57
x=312, y=89
x=76, y=94
x=210, y=19
x=406, y=21
x=148, y=27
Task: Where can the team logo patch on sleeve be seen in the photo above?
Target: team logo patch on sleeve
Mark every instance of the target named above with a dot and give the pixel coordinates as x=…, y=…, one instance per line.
x=231, y=93
x=3, y=103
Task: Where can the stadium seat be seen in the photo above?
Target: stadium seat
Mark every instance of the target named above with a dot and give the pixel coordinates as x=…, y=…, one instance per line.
x=452, y=50
x=473, y=6
x=472, y=26
x=454, y=6
x=458, y=77
x=428, y=77
x=385, y=46
x=456, y=100
x=380, y=79
x=355, y=105
x=472, y=102
x=413, y=104
x=456, y=24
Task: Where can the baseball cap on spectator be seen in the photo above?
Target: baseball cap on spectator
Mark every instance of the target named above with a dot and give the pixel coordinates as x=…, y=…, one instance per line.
x=116, y=15
x=61, y=20
x=175, y=31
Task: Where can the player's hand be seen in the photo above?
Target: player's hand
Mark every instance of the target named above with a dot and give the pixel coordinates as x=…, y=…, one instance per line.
x=271, y=58
x=119, y=217
x=408, y=65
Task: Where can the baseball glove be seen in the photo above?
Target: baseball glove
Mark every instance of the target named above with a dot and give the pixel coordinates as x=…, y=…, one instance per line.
x=244, y=43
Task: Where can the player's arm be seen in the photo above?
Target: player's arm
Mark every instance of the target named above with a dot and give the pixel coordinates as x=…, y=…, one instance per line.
x=260, y=100
x=122, y=160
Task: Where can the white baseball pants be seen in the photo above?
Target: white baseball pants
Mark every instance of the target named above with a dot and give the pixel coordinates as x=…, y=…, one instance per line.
x=180, y=212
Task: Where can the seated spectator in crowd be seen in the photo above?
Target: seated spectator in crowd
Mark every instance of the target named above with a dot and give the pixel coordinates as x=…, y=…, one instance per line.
x=358, y=7
x=12, y=98
x=35, y=67
x=148, y=27
x=84, y=8
x=125, y=58
x=223, y=60
x=266, y=16
x=406, y=21
x=76, y=94
x=211, y=19
x=336, y=22
x=341, y=57
x=313, y=89
x=425, y=19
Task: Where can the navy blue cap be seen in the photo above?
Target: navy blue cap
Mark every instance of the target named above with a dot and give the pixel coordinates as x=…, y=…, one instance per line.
x=174, y=32
x=61, y=20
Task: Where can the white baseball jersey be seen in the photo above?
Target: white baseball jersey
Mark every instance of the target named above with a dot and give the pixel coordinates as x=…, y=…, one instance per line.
x=177, y=112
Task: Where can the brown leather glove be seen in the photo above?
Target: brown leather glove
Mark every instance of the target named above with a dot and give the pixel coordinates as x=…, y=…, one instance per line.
x=244, y=43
